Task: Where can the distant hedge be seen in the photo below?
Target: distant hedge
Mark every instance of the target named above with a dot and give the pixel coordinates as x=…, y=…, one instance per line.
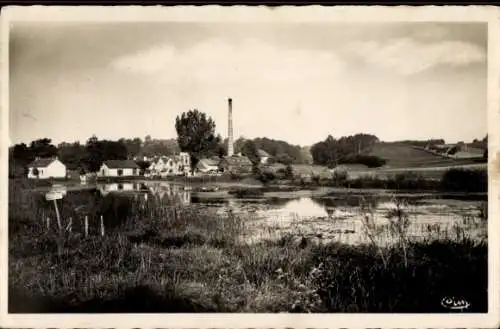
x=453, y=180
x=371, y=161
x=470, y=180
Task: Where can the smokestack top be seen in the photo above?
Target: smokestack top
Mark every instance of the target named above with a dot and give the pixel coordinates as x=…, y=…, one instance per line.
x=230, y=100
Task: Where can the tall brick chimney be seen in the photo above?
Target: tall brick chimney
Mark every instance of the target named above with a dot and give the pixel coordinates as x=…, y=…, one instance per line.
x=230, y=146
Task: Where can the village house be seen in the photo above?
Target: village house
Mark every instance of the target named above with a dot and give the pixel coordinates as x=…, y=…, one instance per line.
x=235, y=164
x=264, y=156
x=208, y=165
x=43, y=168
x=119, y=168
x=170, y=165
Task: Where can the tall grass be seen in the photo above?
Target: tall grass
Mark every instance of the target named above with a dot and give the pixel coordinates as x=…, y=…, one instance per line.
x=165, y=257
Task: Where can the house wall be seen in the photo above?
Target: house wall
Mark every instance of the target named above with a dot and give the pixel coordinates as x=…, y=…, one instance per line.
x=56, y=169
x=171, y=166
x=113, y=172
x=202, y=166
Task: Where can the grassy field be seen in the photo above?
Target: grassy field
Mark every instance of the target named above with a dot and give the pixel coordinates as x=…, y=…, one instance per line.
x=161, y=257
x=405, y=156
x=400, y=158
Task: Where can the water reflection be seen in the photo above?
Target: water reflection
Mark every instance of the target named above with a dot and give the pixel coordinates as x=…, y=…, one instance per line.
x=159, y=190
x=336, y=216
x=303, y=207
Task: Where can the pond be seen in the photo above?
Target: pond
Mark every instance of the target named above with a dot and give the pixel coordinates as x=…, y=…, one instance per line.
x=320, y=215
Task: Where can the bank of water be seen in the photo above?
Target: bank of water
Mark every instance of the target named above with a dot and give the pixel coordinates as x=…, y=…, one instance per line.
x=321, y=215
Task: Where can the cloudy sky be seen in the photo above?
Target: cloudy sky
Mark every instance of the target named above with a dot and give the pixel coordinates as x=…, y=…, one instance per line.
x=289, y=81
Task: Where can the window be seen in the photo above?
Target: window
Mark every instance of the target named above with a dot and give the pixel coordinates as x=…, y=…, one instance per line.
x=120, y=172
x=134, y=171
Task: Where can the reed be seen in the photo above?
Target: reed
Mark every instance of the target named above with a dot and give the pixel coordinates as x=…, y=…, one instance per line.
x=160, y=256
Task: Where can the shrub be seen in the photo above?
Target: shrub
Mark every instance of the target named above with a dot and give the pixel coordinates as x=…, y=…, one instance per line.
x=247, y=192
x=340, y=177
x=370, y=161
x=266, y=176
x=465, y=180
x=288, y=172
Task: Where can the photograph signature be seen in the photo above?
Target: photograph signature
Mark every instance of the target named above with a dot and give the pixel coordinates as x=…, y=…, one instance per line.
x=454, y=303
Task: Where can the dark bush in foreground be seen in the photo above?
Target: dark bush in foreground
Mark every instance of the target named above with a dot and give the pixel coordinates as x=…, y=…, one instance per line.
x=269, y=277
x=435, y=271
x=471, y=180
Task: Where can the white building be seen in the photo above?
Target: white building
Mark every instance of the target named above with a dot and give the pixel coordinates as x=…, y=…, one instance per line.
x=171, y=165
x=46, y=168
x=208, y=165
x=264, y=156
x=119, y=168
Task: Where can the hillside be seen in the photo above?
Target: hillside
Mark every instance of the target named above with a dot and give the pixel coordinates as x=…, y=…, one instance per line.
x=406, y=156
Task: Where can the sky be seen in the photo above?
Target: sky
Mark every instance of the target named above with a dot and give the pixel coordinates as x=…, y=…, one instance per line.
x=297, y=82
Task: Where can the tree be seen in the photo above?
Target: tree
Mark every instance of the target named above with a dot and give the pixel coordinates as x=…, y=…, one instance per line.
x=133, y=146
x=143, y=165
x=72, y=155
x=100, y=150
x=196, y=135
x=251, y=152
x=331, y=151
x=288, y=171
x=43, y=148
x=485, y=146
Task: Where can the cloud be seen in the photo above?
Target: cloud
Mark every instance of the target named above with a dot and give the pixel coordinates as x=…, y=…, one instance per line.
x=217, y=62
x=408, y=56
x=431, y=32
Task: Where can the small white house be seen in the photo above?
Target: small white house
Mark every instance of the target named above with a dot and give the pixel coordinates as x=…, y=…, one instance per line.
x=207, y=165
x=264, y=156
x=119, y=168
x=46, y=168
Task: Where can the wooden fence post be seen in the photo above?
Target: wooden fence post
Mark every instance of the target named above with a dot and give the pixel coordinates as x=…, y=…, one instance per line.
x=102, y=226
x=86, y=223
x=70, y=224
x=58, y=216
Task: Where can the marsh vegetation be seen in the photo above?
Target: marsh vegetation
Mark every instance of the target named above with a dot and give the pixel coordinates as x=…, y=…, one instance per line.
x=161, y=255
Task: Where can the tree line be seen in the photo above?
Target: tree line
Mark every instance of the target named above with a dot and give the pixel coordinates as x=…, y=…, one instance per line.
x=347, y=149
x=196, y=134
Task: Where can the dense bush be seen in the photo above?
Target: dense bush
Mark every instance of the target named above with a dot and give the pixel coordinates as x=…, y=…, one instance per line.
x=370, y=161
x=246, y=192
x=453, y=180
x=266, y=176
x=470, y=180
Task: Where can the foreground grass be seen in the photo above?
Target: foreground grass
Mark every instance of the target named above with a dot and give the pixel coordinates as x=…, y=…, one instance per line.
x=163, y=258
x=115, y=275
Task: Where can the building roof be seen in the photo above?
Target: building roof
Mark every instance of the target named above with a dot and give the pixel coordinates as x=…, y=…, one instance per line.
x=263, y=153
x=42, y=163
x=237, y=160
x=121, y=164
x=209, y=162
